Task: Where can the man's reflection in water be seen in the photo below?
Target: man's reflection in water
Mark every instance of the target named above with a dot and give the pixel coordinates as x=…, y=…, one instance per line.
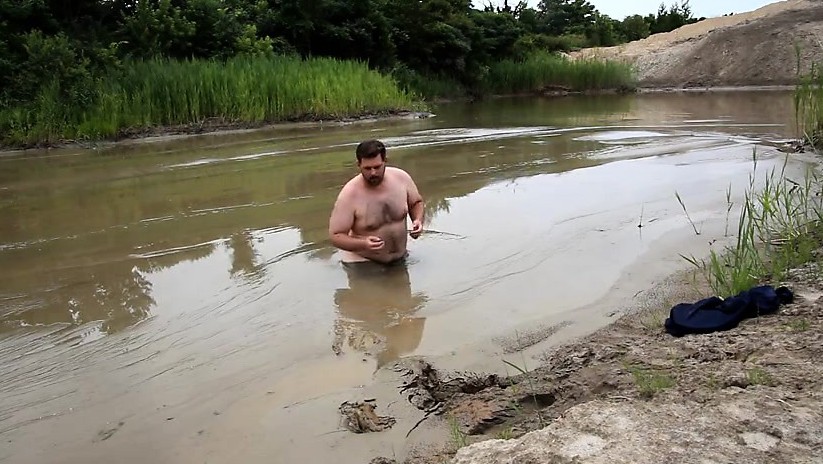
x=376, y=312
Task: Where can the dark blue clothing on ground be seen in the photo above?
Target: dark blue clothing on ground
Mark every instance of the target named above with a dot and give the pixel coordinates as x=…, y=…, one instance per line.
x=716, y=314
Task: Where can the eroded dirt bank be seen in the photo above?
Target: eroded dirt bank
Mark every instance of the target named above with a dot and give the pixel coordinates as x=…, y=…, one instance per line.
x=632, y=393
x=757, y=48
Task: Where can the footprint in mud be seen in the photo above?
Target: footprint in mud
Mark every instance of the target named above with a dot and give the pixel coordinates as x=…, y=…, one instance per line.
x=361, y=418
x=105, y=434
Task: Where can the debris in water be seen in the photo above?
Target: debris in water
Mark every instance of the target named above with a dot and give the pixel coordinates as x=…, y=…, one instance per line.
x=360, y=417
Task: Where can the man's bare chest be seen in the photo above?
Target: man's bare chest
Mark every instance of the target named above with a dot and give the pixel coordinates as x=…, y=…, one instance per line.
x=377, y=209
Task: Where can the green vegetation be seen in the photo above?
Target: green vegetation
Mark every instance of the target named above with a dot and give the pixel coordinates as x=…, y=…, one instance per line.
x=542, y=71
x=799, y=325
x=507, y=433
x=458, y=438
x=650, y=382
x=525, y=372
x=163, y=92
x=809, y=107
x=758, y=376
x=94, y=68
x=778, y=229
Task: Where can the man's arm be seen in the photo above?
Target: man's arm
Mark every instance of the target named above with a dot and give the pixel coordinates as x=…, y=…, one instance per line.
x=415, y=200
x=340, y=224
x=416, y=207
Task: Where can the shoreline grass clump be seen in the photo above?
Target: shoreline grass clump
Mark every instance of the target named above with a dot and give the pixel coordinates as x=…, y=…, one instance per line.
x=808, y=103
x=165, y=92
x=779, y=228
x=542, y=71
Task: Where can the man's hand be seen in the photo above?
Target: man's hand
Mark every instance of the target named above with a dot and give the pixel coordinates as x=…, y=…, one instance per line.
x=374, y=243
x=417, y=229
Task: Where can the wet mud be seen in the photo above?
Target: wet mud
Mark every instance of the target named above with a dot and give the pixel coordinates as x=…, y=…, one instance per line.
x=757, y=386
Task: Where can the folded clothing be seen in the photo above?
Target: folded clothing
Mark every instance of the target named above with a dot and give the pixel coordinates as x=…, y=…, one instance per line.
x=715, y=314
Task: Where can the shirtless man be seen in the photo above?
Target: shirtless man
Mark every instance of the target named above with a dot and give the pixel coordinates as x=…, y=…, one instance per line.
x=368, y=221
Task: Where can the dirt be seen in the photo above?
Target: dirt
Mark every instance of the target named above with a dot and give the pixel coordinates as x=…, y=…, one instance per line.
x=632, y=393
x=757, y=48
x=360, y=417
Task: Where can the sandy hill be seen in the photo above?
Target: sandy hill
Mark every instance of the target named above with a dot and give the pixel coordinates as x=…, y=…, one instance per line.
x=749, y=49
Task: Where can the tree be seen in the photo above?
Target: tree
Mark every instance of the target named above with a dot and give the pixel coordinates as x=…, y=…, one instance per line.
x=430, y=35
x=672, y=18
x=604, y=32
x=560, y=17
x=635, y=27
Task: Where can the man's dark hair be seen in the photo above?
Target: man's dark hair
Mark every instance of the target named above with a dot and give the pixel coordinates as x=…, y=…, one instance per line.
x=370, y=149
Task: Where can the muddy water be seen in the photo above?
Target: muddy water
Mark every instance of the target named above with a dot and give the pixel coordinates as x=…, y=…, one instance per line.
x=178, y=301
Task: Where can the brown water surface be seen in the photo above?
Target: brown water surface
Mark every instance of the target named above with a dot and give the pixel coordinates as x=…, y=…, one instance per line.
x=178, y=301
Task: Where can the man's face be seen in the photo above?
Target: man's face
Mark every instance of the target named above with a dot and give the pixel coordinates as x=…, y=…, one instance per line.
x=373, y=170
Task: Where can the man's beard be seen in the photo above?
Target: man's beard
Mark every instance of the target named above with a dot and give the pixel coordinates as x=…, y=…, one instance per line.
x=374, y=180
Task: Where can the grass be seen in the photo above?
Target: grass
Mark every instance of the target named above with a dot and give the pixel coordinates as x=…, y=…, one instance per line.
x=799, y=325
x=650, y=382
x=547, y=71
x=779, y=228
x=458, y=438
x=808, y=101
x=680, y=200
x=652, y=320
x=153, y=93
x=248, y=91
x=507, y=433
x=524, y=370
x=758, y=376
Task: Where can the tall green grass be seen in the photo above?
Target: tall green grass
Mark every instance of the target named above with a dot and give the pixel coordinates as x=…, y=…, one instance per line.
x=428, y=86
x=808, y=103
x=543, y=71
x=147, y=94
x=779, y=228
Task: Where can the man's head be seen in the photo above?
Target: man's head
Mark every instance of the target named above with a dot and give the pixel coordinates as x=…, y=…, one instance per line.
x=371, y=159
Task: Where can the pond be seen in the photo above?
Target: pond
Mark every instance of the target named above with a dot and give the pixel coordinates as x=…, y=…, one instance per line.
x=173, y=300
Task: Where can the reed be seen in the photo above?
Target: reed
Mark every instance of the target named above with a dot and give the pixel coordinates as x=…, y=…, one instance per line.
x=779, y=228
x=808, y=103
x=542, y=71
x=243, y=90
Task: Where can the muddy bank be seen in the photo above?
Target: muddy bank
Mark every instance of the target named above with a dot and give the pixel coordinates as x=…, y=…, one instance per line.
x=632, y=393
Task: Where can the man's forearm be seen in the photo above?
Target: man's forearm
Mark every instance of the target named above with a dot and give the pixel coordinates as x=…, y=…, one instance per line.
x=416, y=211
x=347, y=242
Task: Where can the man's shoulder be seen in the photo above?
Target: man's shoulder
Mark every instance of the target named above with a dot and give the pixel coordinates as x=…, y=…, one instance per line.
x=398, y=172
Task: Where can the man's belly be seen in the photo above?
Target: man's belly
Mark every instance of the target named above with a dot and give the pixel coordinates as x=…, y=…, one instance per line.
x=394, y=237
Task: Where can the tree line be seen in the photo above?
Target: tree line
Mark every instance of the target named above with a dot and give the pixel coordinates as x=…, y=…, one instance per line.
x=74, y=42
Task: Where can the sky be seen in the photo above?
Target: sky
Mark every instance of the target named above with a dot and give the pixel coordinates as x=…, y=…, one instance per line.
x=619, y=9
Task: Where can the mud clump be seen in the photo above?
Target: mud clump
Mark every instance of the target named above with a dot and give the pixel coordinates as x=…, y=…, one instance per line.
x=431, y=390
x=360, y=417
x=475, y=401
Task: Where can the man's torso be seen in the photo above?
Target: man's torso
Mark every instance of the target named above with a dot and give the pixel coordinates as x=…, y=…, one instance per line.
x=382, y=212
